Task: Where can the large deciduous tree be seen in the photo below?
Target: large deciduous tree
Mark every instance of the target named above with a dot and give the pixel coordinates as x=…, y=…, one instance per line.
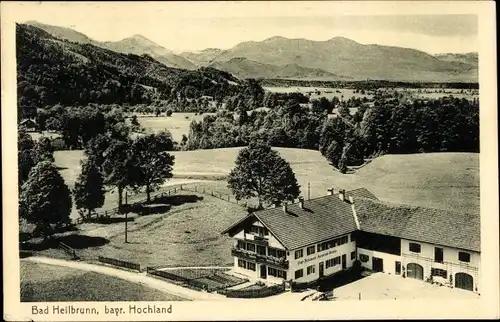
x=261, y=172
x=45, y=199
x=116, y=167
x=89, y=187
x=151, y=162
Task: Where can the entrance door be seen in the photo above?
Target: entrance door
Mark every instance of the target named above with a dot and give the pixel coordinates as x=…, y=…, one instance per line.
x=464, y=281
x=377, y=264
x=415, y=271
x=398, y=268
x=321, y=269
x=263, y=271
x=344, y=261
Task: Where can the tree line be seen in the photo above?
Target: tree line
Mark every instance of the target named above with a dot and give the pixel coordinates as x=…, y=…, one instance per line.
x=389, y=124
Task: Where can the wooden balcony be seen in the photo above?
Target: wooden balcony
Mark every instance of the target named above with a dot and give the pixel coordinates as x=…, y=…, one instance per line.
x=263, y=259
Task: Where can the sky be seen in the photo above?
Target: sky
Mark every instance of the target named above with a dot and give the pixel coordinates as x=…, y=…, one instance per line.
x=198, y=25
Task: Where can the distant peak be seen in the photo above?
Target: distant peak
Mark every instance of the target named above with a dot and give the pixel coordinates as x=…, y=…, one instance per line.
x=343, y=39
x=275, y=38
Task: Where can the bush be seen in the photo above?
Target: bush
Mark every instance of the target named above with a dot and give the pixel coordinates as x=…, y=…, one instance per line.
x=169, y=112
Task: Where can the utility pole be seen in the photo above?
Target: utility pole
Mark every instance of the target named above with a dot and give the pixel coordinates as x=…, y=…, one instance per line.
x=126, y=215
x=308, y=191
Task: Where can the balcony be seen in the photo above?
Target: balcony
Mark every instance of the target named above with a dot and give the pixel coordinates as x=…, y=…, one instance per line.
x=263, y=259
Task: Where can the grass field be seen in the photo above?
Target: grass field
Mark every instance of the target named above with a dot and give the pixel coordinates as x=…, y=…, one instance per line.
x=47, y=283
x=186, y=233
x=328, y=93
x=439, y=180
x=177, y=124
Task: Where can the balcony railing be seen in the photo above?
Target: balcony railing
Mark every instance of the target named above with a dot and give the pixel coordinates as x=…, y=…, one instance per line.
x=279, y=262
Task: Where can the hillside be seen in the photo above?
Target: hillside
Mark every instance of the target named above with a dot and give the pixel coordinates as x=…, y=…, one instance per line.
x=140, y=45
x=135, y=44
x=467, y=58
x=447, y=181
x=246, y=68
x=203, y=57
x=346, y=57
x=52, y=71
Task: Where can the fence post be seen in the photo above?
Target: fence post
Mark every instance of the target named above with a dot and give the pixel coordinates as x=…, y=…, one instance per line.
x=227, y=198
x=195, y=188
x=181, y=187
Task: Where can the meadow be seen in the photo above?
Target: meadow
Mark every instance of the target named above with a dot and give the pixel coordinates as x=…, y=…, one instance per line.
x=439, y=180
x=48, y=283
x=329, y=93
x=177, y=124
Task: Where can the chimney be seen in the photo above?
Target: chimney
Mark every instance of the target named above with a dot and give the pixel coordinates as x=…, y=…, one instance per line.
x=342, y=194
x=330, y=191
x=301, y=202
x=284, y=208
x=351, y=200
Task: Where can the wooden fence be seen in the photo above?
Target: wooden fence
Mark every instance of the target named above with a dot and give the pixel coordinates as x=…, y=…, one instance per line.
x=215, y=194
x=106, y=214
x=120, y=263
x=68, y=250
x=255, y=293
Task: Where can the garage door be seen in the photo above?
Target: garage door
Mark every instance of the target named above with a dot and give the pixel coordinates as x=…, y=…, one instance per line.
x=464, y=281
x=415, y=271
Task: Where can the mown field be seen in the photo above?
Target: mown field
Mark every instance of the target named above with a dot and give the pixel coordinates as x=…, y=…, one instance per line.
x=329, y=93
x=47, y=283
x=440, y=180
x=177, y=124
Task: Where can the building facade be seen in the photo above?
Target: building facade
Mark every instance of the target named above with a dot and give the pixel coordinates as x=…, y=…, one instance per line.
x=321, y=237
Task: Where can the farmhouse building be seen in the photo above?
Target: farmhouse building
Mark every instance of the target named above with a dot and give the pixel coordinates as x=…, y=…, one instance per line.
x=315, y=238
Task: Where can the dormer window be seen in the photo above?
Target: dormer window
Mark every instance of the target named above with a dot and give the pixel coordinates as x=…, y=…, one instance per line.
x=464, y=257
x=415, y=248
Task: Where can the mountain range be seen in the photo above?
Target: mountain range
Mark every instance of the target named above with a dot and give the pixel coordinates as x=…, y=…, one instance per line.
x=279, y=57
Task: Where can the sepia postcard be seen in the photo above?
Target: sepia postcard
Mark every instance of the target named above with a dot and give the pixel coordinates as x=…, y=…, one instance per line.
x=262, y=160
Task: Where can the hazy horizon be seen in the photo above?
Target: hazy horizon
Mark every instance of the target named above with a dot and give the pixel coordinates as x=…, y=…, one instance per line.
x=200, y=25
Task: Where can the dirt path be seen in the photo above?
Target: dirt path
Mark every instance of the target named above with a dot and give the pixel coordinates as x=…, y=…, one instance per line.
x=140, y=278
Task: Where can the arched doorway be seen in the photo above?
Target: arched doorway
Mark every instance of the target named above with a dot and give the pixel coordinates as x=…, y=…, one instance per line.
x=415, y=271
x=464, y=281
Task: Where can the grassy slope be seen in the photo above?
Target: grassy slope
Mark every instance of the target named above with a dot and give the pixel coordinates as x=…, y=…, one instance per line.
x=440, y=180
x=47, y=283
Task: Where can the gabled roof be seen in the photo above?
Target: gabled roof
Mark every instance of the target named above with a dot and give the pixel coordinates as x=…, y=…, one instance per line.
x=429, y=225
x=361, y=192
x=321, y=219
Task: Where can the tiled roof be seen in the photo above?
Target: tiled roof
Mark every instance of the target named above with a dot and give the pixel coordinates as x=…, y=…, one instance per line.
x=361, y=192
x=321, y=219
x=420, y=224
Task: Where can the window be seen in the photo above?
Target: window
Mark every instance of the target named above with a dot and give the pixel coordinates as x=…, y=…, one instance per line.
x=251, y=266
x=332, y=262
x=438, y=255
x=353, y=255
x=398, y=268
x=299, y=253
x=282, y=274
x=439, y=272
x=333, y=243
x=299, y=273
x=242, y=263
x=364, y=258
x=261, y=250
x=464, y=257
x=251, y=247
x=336, y=260
x=311, y=269
x=280, y=253
x=272, y=252
x=241, y=244
x=414, y=247
x=353, y=238
x=310, y=250
x=272, y=271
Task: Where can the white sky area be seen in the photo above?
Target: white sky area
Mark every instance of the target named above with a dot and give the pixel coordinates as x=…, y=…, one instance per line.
x=199, y=25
